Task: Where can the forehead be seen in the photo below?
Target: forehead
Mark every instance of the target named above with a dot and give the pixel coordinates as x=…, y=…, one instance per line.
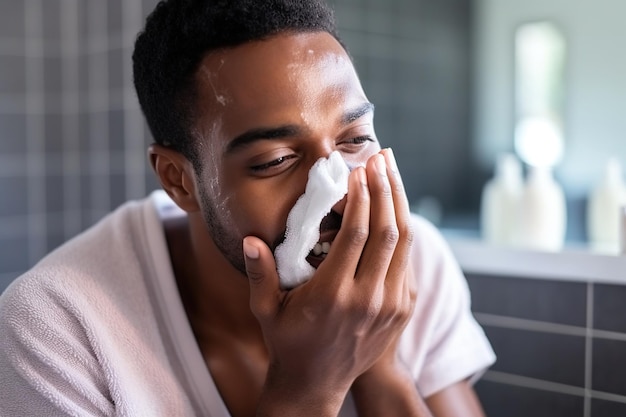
x=284, y=75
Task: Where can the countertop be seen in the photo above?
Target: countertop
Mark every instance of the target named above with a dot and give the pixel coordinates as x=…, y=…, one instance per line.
x=575, y=263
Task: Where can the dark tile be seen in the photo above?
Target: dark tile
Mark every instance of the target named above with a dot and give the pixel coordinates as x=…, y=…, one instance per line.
x=116, y=130
x=118, y=190
x=115, y=19
x=6, y=279
x=51, y=11
x=609, y=308
x=86, y=192
x=13, y=137
x=12, y=19
x=603, y=408
x=53, y=141
x=55, y=189
x=84, y=137
x=53, y=82
x=14, y=196
x=14, y=254
x=13, y=79
x=609, y=365
x=118, y=65
x=533, y=299
x=551, y=357
x=54, y=240
x=501, y=400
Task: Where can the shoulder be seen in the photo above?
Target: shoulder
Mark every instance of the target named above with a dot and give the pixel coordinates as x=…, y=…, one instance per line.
x=432, y=258
x=427, y=237
x=443, y=342
x=91, y=267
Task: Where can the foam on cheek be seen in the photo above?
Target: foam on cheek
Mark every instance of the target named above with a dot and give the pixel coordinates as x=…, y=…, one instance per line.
x=327, y=184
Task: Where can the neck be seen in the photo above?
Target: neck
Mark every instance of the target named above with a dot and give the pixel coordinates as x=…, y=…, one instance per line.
x=216, y=296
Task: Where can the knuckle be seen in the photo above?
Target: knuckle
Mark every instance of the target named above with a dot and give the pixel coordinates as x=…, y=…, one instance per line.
x=407, y=232
x=254, y=276
x=358, y=235
x=390, y=236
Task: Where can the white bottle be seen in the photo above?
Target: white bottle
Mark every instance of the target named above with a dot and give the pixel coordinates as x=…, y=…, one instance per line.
x=500, y=202
x=543, y=215
x=604, y=209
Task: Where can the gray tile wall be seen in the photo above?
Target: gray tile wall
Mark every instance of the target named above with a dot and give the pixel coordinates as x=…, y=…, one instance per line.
x=560, y=346
x=72, y=138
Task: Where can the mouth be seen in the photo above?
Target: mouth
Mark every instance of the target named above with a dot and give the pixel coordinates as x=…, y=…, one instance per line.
x=319, y=251
x=328, y=231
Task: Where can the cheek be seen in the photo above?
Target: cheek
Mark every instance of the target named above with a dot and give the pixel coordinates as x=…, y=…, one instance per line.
x=360, y=158
x=262, y=211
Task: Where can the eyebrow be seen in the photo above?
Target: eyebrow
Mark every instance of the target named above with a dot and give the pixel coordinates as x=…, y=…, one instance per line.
x=254, y=135
x=258, y=134
x=356, y=113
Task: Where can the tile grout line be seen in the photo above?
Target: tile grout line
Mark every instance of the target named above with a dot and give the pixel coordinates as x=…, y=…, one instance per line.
x=546, y=327
x=99, y=132
x=528, y=382
x=34, y=109
x=543, y=385
x=525, y=324
x=588, y=351
x=70, y=102
x=133, y=119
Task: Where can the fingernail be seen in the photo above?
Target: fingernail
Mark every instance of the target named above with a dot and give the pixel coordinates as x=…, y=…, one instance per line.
x=391, y=159
x=362, y=176
x=380, y=164
x=251, y=251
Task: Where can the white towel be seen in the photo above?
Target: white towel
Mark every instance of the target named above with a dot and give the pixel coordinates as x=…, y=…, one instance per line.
x=327, y=184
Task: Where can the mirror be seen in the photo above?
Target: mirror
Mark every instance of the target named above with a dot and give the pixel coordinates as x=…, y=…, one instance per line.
x=539, y=93
x=593, y=90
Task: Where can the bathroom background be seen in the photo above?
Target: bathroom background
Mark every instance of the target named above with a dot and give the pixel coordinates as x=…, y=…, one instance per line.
x=440, y=72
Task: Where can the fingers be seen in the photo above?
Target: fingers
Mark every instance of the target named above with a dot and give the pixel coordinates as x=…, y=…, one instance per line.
x=383, y=237
x=403, y=221
x=348, y=245
x=263, y=278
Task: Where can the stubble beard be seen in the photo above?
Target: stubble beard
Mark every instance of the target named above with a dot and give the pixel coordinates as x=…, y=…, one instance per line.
x=228, y=244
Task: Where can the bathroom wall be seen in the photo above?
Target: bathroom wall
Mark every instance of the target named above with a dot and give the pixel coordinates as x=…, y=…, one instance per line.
x=560, y=345
x=72, y=138
x=414, y=59
x=595, y=83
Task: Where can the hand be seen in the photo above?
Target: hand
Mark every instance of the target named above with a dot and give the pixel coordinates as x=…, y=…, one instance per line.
x=323, y=334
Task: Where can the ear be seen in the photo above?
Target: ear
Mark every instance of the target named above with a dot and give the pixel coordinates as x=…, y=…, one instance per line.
x=176, y=175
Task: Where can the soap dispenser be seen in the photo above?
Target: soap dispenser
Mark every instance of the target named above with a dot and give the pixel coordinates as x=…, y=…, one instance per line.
x=543, y=215
x=500, y=202
x=604, y=208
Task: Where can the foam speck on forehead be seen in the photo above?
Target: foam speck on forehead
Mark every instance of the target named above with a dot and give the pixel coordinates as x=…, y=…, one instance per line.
x=327, y=184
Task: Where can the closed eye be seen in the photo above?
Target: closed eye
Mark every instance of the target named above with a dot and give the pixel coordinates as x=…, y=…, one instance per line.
x=261, y=168
x=356, y=144
x=360, y=139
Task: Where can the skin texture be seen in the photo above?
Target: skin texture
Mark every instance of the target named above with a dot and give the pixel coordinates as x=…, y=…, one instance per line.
x=266, y=111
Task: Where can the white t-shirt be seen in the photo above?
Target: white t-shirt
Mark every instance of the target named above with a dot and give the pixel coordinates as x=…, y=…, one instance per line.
x=97, y=328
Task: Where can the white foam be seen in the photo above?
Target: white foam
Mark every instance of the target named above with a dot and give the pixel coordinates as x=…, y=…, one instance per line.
x=327, y=184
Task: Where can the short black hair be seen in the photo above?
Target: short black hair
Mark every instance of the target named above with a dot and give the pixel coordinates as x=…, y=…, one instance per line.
x=179, y=33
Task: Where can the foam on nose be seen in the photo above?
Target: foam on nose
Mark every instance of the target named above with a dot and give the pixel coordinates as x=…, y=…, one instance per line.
x=327, y=184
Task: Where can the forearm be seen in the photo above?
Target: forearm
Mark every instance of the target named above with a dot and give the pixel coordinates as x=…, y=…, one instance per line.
x=388, y=393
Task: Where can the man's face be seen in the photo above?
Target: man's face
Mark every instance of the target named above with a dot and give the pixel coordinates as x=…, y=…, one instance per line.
x=267, y=111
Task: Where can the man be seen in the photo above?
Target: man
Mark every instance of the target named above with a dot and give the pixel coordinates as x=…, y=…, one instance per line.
x=172, y=306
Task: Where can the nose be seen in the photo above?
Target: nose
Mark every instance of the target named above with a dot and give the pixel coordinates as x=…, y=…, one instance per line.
x=340, y=206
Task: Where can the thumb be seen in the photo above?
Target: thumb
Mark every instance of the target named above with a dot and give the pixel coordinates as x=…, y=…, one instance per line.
x=262, y=276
